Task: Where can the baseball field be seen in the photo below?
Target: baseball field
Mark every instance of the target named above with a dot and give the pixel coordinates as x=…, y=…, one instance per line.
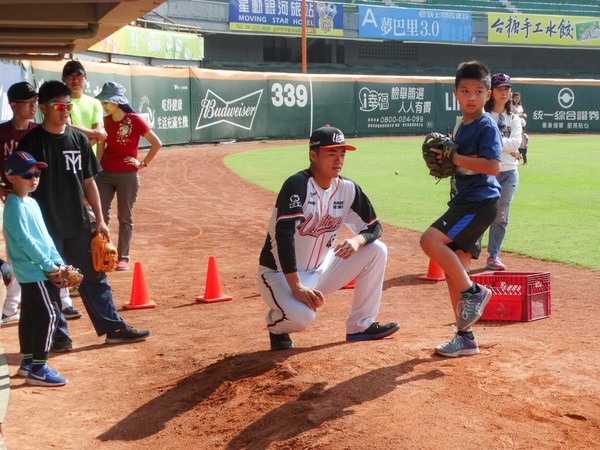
x=206, y=380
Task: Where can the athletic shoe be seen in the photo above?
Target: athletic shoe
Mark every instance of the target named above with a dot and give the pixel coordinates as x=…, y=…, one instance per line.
x=458, y=346
x=374, y=332
x=280, y=341
x=45, y=376
x=494, y=264
x=10, y=319
x=62, y=346
x=470, y=308
x=123, y=264
x=125, y=335
x=25, y=367
x=71, y=313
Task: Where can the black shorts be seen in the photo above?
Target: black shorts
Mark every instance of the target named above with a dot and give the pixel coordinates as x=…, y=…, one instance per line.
x=466, y=222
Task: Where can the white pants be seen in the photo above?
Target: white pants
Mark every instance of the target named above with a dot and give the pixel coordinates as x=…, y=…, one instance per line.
x=366, y=266
x=12, y=299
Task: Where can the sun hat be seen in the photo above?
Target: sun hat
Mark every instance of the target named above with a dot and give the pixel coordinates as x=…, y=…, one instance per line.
x=328, y=137
x=114, y=93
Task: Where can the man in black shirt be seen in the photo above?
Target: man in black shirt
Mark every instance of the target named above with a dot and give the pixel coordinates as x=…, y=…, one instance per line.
x=68, y=181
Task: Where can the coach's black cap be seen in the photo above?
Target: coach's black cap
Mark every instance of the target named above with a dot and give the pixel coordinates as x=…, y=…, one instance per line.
x=73, y=67
x=20, y=91
x=328, y=137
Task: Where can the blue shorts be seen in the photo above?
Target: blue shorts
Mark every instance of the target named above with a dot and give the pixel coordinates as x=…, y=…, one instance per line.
x=466, y=222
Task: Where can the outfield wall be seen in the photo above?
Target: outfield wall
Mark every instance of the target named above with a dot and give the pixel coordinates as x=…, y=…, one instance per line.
x=186, y=105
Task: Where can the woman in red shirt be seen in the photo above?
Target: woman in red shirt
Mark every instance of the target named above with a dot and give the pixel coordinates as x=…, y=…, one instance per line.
x=118, y=156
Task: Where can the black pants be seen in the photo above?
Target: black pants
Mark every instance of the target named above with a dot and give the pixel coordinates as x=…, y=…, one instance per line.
x=40, y=309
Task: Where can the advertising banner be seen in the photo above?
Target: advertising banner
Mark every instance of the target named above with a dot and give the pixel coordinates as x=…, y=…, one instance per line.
x=408, y=24
x=228, y=105
x=394, y=107
x=285, y=17
x=136, y=41
x=562, y=108
x=539, y=29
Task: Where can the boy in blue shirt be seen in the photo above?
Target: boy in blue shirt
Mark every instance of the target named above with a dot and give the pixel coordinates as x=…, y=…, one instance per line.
x=452, y=240
x=33, y=255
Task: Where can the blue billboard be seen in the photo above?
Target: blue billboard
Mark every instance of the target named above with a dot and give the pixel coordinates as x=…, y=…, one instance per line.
x=408, y=24
x=285, y=17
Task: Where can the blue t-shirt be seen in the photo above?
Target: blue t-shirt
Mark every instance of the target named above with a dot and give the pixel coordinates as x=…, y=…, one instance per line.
x=481, y=138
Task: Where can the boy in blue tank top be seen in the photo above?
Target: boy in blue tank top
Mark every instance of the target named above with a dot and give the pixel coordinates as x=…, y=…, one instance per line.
x=452, y=240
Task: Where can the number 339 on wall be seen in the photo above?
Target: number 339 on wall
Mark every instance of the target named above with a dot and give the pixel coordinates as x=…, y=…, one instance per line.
x=289, y=95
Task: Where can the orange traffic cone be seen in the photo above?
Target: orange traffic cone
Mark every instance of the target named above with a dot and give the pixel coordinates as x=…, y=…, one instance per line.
x=350, y=285
x=139, y=290
x=434, y=272
x=214, y=291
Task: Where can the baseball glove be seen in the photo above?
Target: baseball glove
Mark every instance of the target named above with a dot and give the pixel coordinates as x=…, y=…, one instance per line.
x=7, y=272
x=65, y=276
x=104, y=254
x=440, y=166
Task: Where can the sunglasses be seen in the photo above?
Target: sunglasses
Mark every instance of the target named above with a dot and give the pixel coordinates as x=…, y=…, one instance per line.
x=30, y=175
x=57, y=106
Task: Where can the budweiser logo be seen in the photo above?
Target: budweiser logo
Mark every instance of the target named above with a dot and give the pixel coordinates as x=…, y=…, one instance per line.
x=239, y=112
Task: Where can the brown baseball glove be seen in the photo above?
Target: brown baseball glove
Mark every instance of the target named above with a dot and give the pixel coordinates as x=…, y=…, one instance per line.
x=65, y=276
x=104, y=254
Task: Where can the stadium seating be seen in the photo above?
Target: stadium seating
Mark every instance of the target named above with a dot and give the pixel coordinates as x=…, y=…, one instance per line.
x=559, y=7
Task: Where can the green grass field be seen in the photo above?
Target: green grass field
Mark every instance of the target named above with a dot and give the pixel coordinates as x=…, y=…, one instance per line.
x=555, y=215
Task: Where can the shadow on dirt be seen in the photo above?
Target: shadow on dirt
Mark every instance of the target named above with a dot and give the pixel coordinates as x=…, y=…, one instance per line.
x=314, y=406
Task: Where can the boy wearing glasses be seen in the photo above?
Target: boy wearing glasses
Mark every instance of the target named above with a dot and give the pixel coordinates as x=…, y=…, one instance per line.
x=22, y=98
x=67, y=184
x=87, y=114
x=33, y=255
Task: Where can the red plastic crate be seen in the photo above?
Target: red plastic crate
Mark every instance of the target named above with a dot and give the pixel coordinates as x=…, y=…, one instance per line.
x=516, y=296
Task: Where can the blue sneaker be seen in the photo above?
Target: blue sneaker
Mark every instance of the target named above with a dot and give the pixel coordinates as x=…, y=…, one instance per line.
x=25, y=367
x=470, y=308
x=45, y=376
x=374, y=332
x=458, y=346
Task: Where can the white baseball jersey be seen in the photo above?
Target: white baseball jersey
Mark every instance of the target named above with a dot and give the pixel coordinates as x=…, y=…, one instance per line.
x=317, y=214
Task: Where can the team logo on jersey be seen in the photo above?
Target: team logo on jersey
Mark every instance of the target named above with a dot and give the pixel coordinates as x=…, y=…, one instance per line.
x=72, y=160
x=315, y=225
x=338, y=204
x=295, y=201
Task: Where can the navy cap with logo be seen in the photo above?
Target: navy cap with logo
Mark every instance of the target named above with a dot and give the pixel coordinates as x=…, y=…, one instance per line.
x=73, y=67
x=328, y=137
x=20, y=91
x=500, y=79
x=19, y=163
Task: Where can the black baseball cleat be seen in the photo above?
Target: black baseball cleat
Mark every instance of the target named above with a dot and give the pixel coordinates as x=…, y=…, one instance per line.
x=374, y=332
x=126, y=335
x=280, y=341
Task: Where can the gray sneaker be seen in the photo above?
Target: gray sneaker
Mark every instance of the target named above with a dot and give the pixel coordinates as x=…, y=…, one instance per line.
x=470, y=308
x=458, y=346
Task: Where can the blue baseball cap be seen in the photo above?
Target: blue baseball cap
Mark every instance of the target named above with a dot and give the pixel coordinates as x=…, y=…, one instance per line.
x=19, y=163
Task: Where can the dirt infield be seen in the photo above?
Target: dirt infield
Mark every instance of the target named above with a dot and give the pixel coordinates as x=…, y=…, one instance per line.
x=205, y=380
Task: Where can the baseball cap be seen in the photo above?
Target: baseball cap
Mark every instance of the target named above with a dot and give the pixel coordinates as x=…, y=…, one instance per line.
x=73, y=67
x=18, y=163
x=328, y=137
x=20, y=91
x=500, y=79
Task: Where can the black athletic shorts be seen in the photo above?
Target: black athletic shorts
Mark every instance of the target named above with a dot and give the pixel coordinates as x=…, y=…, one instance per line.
x=466, y=222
